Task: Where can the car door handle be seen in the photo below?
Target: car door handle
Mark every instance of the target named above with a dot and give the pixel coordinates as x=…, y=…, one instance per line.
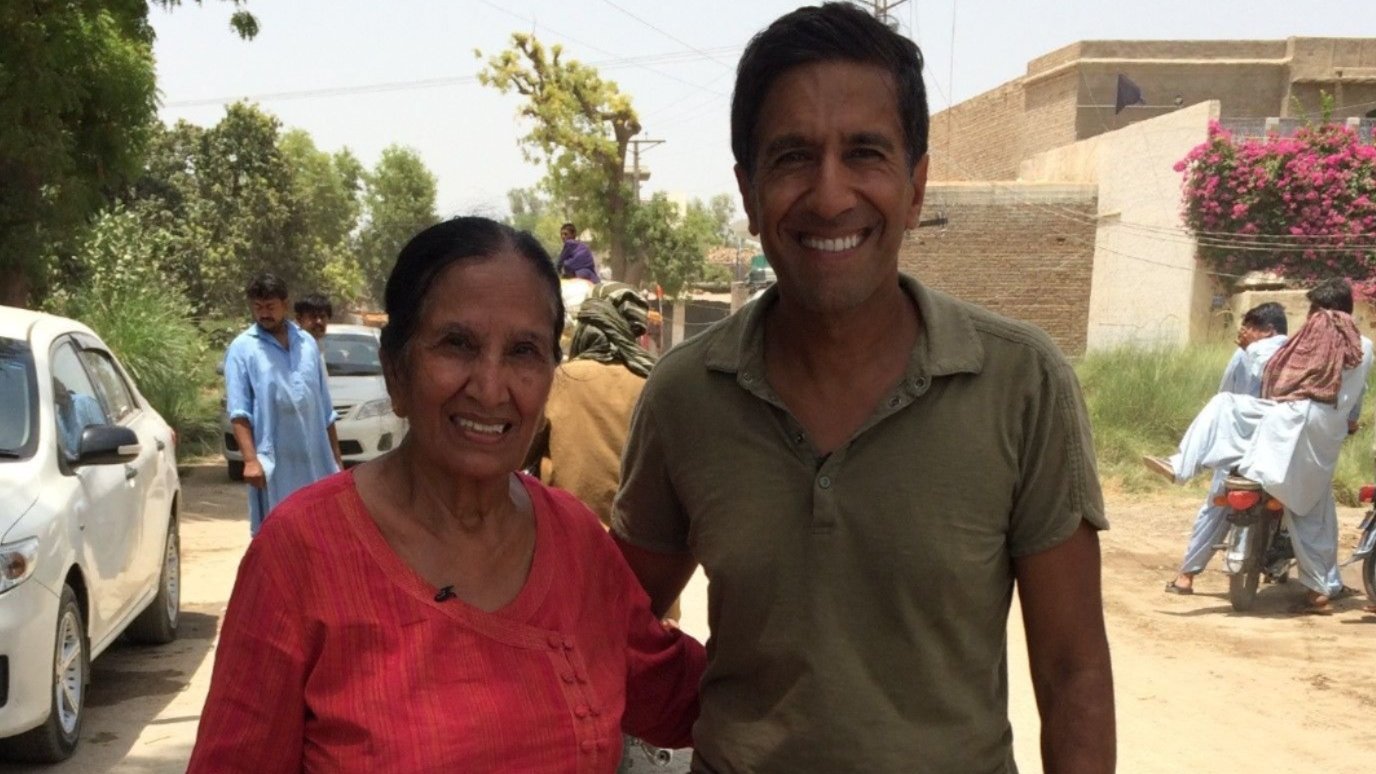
x=130, y=471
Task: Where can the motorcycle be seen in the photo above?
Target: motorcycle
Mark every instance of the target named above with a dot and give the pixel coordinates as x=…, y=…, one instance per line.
x=1256, y=545
x=1365, y=552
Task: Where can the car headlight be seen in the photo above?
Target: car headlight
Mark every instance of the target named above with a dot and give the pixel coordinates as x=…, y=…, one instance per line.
x=374, y=408
x=17, y=562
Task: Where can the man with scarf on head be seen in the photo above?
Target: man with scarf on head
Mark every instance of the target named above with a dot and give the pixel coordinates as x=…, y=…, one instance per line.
x=589, y=409
x=1288, y=440
x=588, y=414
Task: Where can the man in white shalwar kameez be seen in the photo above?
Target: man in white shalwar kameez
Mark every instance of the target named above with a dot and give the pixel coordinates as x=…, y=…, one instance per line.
x=1291, y=448
x=1261, y=333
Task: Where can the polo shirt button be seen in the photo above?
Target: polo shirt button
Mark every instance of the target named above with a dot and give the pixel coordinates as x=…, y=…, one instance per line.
x=824, y=482
x=581, y=711
x=588, y=745
x=920, y=382
x=555, y=641
x=894, y=401
x=568, y=644
x=568, y=677
x=747, y=377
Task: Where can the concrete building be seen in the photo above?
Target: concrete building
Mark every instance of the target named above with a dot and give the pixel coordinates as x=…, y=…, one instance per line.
x=1046, y=206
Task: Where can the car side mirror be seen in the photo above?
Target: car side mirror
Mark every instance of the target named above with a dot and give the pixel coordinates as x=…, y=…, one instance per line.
x=107, y=445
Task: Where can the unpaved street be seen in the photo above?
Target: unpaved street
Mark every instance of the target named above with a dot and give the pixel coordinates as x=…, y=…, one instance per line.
x=1199, y=687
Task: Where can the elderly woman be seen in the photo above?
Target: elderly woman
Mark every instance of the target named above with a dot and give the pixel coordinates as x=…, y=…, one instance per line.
x=434, y=609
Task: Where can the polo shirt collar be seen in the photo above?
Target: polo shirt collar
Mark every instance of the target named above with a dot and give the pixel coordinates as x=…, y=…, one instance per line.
x=948, y=343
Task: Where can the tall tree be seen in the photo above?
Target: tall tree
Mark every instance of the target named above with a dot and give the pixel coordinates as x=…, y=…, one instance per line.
x=326, y=192
x=580, y=128
x=77, y=100
x=399, y=200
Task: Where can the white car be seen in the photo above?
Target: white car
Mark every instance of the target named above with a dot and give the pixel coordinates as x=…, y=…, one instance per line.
x=88, y=525
x=366, y=426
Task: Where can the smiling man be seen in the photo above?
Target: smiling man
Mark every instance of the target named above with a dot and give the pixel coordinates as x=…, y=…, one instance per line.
x=864, y=467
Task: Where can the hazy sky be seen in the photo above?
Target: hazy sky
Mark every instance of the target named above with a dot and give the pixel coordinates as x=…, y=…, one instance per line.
x=369, y=73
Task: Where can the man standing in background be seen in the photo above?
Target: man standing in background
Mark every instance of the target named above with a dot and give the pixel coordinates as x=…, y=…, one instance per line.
x=576, y=260
x=313, y=314
x=278, y=402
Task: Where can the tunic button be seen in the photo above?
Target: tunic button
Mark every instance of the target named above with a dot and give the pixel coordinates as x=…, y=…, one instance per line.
x=747, y=377
x=581, y=711
x=588, y=745
x=893, y=402
x=555, y=641
x=920, y=382
x=824, y=482
x=568, y=677
x=568, y=644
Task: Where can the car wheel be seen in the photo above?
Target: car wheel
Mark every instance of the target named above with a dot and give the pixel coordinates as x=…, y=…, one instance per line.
x=56, y=739
x=157, y=625
x=236, y=469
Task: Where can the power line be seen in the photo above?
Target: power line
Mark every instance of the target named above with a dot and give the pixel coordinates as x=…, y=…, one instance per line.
x=673, y=57
x=585, y=44
x=679, y=41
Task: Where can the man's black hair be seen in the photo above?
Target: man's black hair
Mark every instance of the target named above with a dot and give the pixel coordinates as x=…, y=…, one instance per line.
x=314, y=302
x=265, y=285
x=569, y=227
x=826, y=33
x=1268, y=315
x=1335, y=294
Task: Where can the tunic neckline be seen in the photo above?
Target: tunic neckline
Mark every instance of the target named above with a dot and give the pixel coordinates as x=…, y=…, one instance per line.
x=509, y=623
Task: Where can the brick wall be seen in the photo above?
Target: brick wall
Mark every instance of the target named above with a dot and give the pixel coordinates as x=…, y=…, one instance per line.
x=979, y=139
x=1024, y=251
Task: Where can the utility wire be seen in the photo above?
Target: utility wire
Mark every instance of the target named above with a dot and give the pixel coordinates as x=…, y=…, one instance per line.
x=679, y=41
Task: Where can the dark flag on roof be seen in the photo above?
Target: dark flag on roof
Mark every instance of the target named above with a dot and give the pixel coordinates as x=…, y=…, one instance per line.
x=1128, y=94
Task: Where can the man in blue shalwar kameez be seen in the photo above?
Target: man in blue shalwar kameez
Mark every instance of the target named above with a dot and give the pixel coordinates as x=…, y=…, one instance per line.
x=1263, y=330
x=278, y=402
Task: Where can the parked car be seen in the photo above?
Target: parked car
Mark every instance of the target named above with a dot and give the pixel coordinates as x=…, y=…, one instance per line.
x=89, y=547
x=367, y=427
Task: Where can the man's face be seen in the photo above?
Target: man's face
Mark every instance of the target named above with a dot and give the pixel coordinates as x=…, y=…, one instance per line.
x=1247, y=334
x=566, y=234
x=832, y=192
x=313, y=322
x=270, y=313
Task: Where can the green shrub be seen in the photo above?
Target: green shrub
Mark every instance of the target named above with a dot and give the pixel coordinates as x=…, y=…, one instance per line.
x=1140, y=401
x=115, y=287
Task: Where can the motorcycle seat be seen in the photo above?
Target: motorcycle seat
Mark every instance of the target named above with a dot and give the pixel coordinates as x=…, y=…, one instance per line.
x=1240, y=483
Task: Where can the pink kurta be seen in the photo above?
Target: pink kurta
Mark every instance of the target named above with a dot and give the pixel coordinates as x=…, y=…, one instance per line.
x=335, y=656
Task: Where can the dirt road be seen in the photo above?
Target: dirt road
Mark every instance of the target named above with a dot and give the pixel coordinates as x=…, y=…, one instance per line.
x=1199, y=687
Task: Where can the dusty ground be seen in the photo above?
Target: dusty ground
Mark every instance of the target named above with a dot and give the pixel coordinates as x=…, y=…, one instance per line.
x=1200, y=688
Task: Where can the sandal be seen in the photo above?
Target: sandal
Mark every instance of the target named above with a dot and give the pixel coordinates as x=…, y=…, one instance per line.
x=1171, y=588
x=1310, y=607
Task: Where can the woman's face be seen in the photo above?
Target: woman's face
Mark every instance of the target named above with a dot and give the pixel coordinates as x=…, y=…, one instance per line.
x=479, y=366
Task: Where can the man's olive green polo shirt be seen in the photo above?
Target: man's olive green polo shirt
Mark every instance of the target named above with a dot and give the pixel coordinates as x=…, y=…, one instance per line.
x=858, y=602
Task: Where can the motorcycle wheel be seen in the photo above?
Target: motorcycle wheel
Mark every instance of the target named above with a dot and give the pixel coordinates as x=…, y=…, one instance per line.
x=1242, y=586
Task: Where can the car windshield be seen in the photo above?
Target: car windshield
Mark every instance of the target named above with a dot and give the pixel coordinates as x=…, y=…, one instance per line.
x=19, y=396
x=351, y=354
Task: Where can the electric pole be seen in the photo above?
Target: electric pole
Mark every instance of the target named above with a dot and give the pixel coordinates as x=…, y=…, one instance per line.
x=880, y=9
x=635, y=163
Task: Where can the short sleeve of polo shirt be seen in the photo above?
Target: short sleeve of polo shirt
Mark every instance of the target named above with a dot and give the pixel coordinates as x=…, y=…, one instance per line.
x=647, y=512
x=1058, y=482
